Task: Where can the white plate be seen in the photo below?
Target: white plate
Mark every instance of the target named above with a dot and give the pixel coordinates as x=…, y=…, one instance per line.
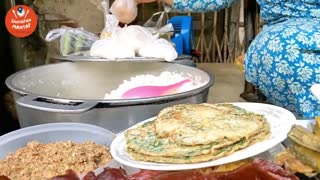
x=280, y=120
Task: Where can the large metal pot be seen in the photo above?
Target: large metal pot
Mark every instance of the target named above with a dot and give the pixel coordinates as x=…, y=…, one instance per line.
x=74, y=91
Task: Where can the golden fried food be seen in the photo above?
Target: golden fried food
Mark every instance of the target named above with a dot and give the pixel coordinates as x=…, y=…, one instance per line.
x=305, y=155
x=193, y=124
x=316, y=129
x=196, y=133
x=290, y=162
x=304, y=137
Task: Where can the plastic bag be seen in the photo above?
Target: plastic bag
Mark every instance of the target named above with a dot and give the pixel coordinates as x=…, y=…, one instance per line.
x=73, y=41
x=159, y=48
x=135, y=36
x=111, y=49
x=155, y=23
x=125, y=10
x=110, y=21
x=159, y=25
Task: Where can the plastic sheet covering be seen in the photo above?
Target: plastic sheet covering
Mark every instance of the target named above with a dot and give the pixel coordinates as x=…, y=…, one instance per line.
x=73, y=41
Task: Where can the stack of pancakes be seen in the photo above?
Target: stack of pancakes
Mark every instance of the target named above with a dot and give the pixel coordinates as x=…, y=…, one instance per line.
x=192, y=133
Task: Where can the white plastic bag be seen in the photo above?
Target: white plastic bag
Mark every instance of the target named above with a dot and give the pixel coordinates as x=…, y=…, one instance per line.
x=111, y=49
x=73, y=41
x=110, y=21
x=159, y=48
x=125, y=10
x=135, y=36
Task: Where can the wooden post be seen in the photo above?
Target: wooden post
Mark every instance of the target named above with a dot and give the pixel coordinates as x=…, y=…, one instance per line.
x=234, y=31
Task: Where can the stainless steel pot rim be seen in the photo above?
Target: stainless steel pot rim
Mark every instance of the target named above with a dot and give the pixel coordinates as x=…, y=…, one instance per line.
x=12, y=87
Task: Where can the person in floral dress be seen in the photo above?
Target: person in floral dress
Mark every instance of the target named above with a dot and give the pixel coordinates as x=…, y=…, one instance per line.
x=283, y=61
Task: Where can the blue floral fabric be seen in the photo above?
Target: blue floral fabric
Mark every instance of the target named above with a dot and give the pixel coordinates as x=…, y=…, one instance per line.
x=200, y=5
x=283, y=61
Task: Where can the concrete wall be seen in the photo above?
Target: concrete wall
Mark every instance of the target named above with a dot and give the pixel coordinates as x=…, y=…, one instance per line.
x=87, y=13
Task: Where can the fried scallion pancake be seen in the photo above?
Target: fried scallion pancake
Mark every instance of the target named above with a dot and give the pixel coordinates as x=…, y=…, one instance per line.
x=201, y=158
x=233, y=129
x=145, y=141
x=193, y=124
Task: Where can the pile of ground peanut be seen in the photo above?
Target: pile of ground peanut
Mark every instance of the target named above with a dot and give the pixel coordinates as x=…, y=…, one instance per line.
x=43, y=161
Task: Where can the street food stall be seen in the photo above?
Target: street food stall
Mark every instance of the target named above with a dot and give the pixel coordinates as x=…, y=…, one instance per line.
x=118, y=107
x=217, y=141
